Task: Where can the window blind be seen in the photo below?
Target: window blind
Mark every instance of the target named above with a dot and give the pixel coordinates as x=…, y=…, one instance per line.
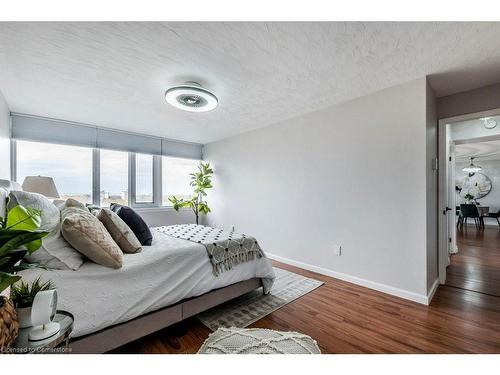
x=39, y=129
x=181, y=149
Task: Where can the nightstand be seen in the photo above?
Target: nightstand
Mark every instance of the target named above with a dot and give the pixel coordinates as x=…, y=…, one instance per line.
x=59, y=343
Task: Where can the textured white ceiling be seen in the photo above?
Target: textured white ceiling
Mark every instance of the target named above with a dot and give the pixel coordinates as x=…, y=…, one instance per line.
x=489, y=150
x=115, y=74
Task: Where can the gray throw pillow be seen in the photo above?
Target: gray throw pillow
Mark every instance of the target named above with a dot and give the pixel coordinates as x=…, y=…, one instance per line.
x=119, y=231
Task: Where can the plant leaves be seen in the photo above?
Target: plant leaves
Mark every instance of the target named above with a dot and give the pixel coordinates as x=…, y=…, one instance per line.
x=22, y=218
x=20, y=240
x=7, y=279
x=28, y=266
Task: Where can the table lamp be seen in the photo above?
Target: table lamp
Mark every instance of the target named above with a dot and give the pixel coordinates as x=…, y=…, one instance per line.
x=41, y=185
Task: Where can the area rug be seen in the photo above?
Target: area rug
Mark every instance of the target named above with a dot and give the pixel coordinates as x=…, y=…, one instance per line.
x=243, y=311
x=258, y=341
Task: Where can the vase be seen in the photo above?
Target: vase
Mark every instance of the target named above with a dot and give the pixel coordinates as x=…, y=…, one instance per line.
x=9, y=326
x=24, y=316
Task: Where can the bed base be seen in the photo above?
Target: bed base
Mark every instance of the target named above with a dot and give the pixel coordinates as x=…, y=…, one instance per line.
x=123, y=333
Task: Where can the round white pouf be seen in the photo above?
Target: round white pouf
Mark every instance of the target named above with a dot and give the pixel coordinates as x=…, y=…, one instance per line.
x=258, y=341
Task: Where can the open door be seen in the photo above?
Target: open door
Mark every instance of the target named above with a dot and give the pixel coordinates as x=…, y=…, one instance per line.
x=446, y=187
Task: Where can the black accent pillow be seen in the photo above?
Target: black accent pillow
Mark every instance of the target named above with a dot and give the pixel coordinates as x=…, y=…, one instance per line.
x=135, y=223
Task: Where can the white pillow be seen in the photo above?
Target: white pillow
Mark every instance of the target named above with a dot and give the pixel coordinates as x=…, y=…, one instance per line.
x=55, y=252
x=3, y=199
x=49, y=212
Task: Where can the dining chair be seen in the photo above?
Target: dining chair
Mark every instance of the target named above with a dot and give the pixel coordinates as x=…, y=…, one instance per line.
x=469, y=211
x=494, y=215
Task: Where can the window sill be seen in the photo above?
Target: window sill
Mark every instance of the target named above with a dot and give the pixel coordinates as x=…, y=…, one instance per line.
x=158, y=209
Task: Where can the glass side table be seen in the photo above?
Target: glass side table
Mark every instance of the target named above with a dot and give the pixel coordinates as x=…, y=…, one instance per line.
x=59, y=343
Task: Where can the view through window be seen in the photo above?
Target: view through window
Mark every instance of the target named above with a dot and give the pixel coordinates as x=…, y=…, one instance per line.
x=69, y=166
x=144, y=178
x=114, y=177
x=176, y=179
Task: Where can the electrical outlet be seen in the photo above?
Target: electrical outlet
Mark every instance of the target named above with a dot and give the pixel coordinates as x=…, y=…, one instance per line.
x=337, y=250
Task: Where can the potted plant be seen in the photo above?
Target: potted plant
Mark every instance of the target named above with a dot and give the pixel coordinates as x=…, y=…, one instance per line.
x=201, y=181
x=22, y=295
x=469, y=198
x=18, y=235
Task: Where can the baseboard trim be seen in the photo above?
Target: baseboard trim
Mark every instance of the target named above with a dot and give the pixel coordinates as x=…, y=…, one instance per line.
x=412, y=296
x=431, y=293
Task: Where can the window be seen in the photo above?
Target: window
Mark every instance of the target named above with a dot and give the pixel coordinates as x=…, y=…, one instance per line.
x=69, y=166
x=114, y=177
x=121, y=175
x=176, y=179
x=143, y=178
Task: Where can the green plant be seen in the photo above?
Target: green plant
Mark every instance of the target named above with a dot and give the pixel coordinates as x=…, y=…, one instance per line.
x=23, y=294
x=19, y=228
x=201, y=181
x=468, y=197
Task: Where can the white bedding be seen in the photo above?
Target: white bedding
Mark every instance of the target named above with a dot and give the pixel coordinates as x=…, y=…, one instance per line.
x=162, y=274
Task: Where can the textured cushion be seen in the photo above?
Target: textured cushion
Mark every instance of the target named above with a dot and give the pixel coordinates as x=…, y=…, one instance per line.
x=89, y=236
x=59, y=203
x=93, y=208
x=135, y=222
x=70, y=202
x=258, y=341
x=55, y=252
x=120, y=231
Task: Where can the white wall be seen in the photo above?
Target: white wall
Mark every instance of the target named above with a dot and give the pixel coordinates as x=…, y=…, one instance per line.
x=352, y=174
x=4, y=139
x=159, y=216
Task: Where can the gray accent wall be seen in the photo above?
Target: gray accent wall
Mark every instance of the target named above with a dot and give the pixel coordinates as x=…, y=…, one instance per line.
x=355, y=175
x=477, y=100
x=432, y=188
x=4, y=139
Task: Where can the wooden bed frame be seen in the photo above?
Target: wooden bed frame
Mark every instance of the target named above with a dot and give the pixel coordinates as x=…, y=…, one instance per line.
x=115, y=336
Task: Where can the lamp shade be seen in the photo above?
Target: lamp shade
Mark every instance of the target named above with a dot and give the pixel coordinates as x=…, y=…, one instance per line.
x=41, y=185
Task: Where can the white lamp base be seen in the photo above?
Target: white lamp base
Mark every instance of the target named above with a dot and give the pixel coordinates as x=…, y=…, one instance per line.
x=42, y=332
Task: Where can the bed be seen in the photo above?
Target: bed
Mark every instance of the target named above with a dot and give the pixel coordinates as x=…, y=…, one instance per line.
x=163, y=284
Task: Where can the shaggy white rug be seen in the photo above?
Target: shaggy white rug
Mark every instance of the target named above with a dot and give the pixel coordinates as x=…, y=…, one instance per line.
x=258, y=341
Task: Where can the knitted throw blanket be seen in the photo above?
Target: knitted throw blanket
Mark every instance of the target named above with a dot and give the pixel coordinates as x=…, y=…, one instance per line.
x=225, y=248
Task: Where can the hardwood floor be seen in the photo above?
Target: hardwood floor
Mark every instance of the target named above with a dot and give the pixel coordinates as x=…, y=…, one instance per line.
x=346, y=318
x=476, y=267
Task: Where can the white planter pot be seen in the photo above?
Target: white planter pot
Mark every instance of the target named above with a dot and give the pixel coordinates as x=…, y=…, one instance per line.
x=24, y=317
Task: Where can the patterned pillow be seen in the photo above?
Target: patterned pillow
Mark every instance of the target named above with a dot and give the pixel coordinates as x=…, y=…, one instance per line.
x=135, y=222
x=120, y=231
x=89, y=236
x=70, y=202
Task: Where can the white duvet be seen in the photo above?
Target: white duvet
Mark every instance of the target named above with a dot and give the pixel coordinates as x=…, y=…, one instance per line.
x=162, y=274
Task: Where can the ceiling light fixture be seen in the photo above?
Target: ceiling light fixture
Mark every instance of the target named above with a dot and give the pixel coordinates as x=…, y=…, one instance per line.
x=472, y=168
x=192, y=97
x=489, y=123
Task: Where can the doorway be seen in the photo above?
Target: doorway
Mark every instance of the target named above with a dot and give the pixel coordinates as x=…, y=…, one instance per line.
x=469, y=201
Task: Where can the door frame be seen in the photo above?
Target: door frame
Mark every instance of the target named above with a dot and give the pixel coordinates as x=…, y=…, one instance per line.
x=443, y=185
